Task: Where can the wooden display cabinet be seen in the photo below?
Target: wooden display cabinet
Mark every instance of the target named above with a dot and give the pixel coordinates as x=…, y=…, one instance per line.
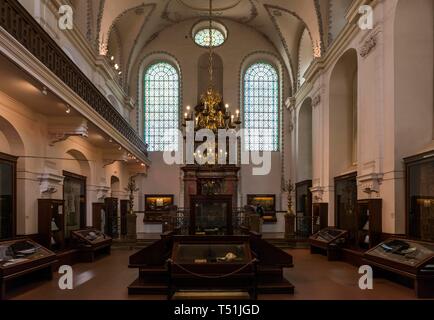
x=22, y=257
x=111, y=219
x=51, y=223
x=369, y=223
x=125, y=205
x=157, y=205
x=406, y=259
x=91, y=242
x=330, y=241
x=320, y=215
x=211, y=256
x=98, y=209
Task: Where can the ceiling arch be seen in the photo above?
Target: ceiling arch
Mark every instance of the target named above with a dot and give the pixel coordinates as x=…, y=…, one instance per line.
x=139, y=21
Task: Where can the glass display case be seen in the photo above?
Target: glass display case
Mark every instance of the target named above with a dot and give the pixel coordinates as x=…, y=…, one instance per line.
x=90, y=242
x=21, y=257
x=328, y=240
x=407, y=258
x=268, y=204
x=211, y=263
x=420, y=196
x=211, y=215
x=346, y=206
x=157, y=205
x=210, y=253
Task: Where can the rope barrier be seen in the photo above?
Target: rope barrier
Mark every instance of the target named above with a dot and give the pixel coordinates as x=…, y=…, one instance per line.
x=212, y=277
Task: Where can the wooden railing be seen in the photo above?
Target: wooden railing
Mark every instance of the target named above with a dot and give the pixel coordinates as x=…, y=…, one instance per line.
x=25, y=29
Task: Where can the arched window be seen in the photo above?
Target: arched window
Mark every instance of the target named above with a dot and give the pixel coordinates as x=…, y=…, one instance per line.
x=161, y=107
x=261, y=108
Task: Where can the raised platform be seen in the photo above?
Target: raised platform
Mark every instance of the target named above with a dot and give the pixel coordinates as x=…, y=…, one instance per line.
x=156, y=275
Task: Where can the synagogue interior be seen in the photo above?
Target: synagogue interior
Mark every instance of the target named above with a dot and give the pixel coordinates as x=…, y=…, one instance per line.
x=216, y=149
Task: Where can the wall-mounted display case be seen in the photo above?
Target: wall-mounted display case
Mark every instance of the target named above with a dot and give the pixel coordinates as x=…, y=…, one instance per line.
x=406, y=258
x=157, y=205
x=111, y=223
x=8, y=168
x=303, y=204
x=420, y=196
x=346, y=206
x=268, y=204
x=90, y=242
x=328, y=240
x=21, y=257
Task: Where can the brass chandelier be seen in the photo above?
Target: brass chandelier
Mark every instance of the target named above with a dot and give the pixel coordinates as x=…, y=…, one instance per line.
x=211, y=114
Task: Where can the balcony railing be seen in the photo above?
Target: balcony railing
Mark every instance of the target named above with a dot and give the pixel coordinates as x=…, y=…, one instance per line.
x=25, y=29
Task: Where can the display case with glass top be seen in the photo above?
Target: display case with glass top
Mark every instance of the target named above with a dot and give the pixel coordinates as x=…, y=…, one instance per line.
x=212, y=262
x=91, y=241
x=329, y=240
x=407, y=258
x=21, y=257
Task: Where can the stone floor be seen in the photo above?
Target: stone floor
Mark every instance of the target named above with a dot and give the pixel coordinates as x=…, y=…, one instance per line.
x=313, y=276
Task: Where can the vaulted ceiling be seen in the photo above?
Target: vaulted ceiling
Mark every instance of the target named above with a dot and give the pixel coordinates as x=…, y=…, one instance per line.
x=124, y=27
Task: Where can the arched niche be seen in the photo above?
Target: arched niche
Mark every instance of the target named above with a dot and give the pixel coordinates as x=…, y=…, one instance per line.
x=10, y=140
x=203, y=74
x=304, y=143
x=413, y=49
x=115, y=185
x=76, y=162
x=343, y=114
x=305, y=55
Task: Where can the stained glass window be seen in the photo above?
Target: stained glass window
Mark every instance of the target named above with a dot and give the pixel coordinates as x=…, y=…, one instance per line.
x=161, y=107
x=261, y=108
x=202, y=37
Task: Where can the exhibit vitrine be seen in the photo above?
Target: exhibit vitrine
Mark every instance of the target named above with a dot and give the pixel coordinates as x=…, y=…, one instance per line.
x=406, y=258
x=420, y=196
x=211, y=215
x=90, y=242
x=74, y=196
x=328, y=240
x=23, y=256
x=201, y=263
x=156, y=206
x=268, y=204
x=7, y=195
x=346, y=205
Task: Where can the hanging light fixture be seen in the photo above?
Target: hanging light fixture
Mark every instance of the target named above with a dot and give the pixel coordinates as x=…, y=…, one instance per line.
x=212, y=113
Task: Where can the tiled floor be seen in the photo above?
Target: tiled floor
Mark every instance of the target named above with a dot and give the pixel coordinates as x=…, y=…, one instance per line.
x=313, y=276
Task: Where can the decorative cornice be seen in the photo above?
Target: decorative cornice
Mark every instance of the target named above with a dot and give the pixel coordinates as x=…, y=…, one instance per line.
x=49, y=183
x=370, y=183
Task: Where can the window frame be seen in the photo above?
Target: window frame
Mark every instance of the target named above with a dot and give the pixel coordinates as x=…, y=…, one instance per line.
x=144, y=106
x=278, y=106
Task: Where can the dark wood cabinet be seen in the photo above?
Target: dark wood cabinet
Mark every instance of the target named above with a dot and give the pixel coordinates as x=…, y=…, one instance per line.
x=51, y=223
x=420, y=196
x=320, y=214
x=8, y=196
x=211, y=215
x=111, y=218
x=305, y=225
x=405, y=259
x=98, y=215
x=23, y=257
x=330, y=241
x=369, y=223
x=125, y=205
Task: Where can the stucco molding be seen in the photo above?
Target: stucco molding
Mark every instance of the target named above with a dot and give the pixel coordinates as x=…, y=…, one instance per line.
x=370, y=183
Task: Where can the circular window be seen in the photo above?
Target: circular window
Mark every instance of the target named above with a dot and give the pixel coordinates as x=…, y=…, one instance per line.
x=203, y=35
